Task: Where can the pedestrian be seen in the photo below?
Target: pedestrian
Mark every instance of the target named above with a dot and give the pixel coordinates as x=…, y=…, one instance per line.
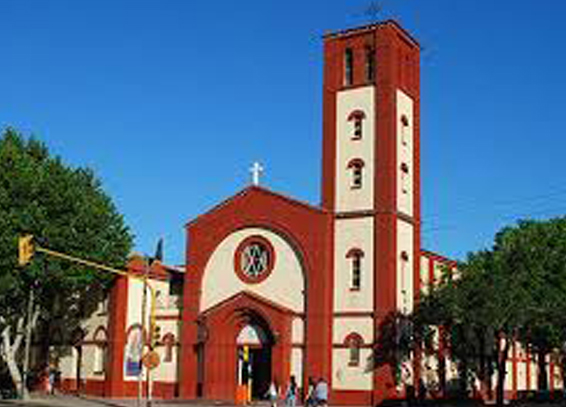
x=51, y=379
x=272, y=394
x=291, y=394
x=310, y=400
x=321, y=393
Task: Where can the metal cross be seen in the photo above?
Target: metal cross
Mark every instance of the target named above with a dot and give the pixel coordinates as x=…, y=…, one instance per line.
x=256, y=170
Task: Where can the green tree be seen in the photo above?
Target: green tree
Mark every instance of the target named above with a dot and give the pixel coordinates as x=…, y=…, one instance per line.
x=534, y=253
x=514, y=291
x=67, y=210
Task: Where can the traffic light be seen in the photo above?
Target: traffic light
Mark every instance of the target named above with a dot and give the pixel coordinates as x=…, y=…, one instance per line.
x=26, y=249
x=155, y=334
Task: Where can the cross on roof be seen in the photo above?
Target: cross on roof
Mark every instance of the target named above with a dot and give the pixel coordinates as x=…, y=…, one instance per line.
x=256, y=171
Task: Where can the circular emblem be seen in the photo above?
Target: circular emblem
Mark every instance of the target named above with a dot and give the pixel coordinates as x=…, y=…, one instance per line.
x=254, y=259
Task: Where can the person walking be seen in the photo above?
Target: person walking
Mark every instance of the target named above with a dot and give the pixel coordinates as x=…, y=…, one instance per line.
x=321, y=393
x=310, y=400
x=291, y=394
x=272, y=394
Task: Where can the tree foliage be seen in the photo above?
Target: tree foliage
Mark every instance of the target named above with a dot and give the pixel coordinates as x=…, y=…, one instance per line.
x=66, y=209
x=515, y=291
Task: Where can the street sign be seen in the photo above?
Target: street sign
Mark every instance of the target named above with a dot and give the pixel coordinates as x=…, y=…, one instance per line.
x=151, y=360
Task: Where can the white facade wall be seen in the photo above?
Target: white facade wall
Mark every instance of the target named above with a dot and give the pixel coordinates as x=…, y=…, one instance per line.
x=298, y=333
x=348, y=101
x=405, y=291
x=521, y=376
x=90, y=353
x=284, y=286
x=343, y=326
x=297, y=363
x=346, y=377
x=405, y=187
x=425, y=275
x=348, y=234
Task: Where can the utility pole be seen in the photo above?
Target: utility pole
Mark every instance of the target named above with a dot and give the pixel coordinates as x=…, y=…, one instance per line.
x=143, y=332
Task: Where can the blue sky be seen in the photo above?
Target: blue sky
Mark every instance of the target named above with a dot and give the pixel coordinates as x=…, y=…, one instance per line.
x=170, y=102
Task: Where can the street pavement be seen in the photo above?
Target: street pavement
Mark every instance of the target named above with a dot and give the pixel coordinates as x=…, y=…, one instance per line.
x=82, y=401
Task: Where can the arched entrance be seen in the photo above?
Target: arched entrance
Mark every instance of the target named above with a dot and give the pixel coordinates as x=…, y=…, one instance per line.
x=253, y=347
x=245, y=321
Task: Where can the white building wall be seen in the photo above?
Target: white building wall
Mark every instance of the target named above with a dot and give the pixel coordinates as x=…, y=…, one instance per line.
x=521, y=375
x=284, y=286
x=353, y=233
x=167, y=371
x=405, y=154
x=347, y=198
x=346, y=377
x=343, y=326
x=425, y=275
x=298, y=330
x=405, y=291
x=297, y=363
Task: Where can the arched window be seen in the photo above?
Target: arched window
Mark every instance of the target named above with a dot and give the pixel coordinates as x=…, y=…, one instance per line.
x=357, y=116
x=370, y=64
x=169, y=342
x=356, y=167
x=404, y=129
x=354, y=343
x=348, y=67
x=405, y=177
x=355, y=256
x=99, y=356
x=405, y=269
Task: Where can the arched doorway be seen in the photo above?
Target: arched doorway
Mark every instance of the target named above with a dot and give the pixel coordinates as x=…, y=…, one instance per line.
x=253, y=346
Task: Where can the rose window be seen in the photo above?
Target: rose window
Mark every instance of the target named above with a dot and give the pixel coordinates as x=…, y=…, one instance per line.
x=254, y=259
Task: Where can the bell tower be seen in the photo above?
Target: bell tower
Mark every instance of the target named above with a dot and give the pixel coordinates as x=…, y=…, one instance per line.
x=371, y=184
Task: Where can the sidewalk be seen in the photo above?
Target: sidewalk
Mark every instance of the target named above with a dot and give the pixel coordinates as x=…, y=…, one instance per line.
x=40, y=400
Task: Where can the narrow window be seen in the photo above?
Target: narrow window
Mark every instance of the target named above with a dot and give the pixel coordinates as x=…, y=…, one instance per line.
x=348, y=67
x=404, y=129
x=354, y=342
x=405, y=177
x=370, y=64
x=356, y=167
x=99, y=356
x=357, y=116
x=355, y=256
x=356, y=272
x=354, y=354
x=404, y=279
x=169, y=342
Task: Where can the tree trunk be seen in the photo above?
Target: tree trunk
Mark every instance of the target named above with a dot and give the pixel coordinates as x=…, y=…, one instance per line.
x=10, y=348
x=542, y=374
x=10, y=351
x=501, y=372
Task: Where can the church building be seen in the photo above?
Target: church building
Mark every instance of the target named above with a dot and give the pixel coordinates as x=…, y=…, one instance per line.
x=275, y=287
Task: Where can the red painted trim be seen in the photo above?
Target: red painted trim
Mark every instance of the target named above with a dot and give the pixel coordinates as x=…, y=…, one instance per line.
x=356, y=114
x=256, y=207
x=355, y=252
x=253, y=190
x=353, y=337
x=356, y=162
x=100, y=335
x=168, y=317
x=351, y=397
x=354, y=314
x=255, y=239
x=118, y=308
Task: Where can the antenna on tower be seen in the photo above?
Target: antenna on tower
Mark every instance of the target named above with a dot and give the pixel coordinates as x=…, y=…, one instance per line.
x=373, y=10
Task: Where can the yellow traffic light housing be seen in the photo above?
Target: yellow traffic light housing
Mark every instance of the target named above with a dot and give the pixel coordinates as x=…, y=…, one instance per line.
x=26, y=249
